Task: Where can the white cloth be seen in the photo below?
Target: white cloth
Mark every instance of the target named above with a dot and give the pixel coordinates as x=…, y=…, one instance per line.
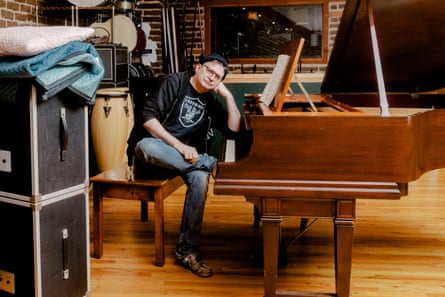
x=26, y=41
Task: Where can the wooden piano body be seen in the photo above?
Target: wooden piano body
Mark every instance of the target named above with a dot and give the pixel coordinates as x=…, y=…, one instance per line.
x=316, y=164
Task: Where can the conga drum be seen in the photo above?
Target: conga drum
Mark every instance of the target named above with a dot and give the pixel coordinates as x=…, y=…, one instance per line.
x=130, y=108
x=110, y=121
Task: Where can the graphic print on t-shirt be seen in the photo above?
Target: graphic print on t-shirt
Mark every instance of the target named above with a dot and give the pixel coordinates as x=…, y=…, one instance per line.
x=191, y=112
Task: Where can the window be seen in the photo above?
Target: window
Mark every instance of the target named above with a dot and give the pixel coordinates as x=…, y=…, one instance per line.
x=254, y=31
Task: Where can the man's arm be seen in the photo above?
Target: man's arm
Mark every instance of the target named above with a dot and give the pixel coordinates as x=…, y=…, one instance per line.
x=234, y=118
x=154, y=127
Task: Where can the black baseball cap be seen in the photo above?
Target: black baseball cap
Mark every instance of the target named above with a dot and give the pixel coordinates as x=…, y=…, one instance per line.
x=213, y=57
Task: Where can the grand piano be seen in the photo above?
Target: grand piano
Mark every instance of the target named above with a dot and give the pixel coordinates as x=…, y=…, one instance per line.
x=388, y=68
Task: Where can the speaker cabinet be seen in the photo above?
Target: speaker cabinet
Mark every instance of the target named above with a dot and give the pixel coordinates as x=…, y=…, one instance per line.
x=115, y=59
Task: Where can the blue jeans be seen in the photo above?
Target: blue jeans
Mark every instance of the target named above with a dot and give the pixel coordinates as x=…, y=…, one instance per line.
x=156, y=155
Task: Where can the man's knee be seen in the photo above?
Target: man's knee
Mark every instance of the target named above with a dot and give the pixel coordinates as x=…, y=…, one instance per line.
x=198, y=178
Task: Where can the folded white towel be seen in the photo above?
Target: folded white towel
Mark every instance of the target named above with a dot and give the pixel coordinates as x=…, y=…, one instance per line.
x=25, y=41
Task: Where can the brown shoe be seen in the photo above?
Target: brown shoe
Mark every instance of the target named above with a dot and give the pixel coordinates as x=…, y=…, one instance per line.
x=192, y=263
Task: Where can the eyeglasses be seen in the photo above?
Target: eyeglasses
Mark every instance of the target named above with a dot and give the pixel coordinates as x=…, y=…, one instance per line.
x=212, y=73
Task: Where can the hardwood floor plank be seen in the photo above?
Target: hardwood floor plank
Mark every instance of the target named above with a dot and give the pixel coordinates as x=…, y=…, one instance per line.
x=399, y=249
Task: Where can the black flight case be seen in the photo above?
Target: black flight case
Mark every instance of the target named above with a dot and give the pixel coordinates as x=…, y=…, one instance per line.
x=44, y=249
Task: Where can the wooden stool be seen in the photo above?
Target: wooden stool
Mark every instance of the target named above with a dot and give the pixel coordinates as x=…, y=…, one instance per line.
x=114, y=183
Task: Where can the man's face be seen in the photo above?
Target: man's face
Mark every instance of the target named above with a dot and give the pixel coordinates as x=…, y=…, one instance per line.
x=210, y=74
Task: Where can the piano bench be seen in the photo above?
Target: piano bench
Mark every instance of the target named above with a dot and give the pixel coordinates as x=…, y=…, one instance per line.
x=114, y=183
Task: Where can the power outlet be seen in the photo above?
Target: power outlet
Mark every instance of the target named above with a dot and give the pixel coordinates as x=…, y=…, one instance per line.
x=7, y=283
x=5, y=161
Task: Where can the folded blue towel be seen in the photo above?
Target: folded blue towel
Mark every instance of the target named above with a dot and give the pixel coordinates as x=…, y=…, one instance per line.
x=75, y=65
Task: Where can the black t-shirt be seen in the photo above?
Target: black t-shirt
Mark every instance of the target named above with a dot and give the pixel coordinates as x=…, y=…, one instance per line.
x=188, y=115
x=189, y=120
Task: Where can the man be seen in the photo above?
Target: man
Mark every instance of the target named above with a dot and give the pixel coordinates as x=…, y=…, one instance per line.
x=176, y=120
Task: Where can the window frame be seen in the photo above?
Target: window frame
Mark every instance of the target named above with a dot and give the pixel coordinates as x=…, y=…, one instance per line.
x=209, y=4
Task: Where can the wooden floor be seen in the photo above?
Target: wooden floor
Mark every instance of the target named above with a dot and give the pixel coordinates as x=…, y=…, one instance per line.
x=399, y=249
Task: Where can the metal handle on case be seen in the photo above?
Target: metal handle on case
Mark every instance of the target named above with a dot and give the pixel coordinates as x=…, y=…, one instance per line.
x=63, y=134
x=66, y=271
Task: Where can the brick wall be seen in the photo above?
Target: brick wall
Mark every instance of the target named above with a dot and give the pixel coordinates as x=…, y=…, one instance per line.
x=18, y=12
x=149, y=11
x=335, y=11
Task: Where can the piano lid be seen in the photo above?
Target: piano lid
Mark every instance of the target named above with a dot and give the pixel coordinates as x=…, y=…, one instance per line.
x=411, y=38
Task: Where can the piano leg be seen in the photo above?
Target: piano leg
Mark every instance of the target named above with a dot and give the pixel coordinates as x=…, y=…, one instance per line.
x=256, y=217
x=343, y=213
x=343, y=237
x=271, y=239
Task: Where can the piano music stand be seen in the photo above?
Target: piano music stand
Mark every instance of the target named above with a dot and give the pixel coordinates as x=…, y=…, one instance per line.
x=276, y=89
x=293, y=49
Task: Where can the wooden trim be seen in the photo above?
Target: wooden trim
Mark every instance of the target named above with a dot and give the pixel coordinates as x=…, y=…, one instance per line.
x=208, y=4
x=265, y=77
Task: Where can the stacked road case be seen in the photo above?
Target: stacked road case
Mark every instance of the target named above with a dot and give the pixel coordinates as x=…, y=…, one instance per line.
x=44, y=249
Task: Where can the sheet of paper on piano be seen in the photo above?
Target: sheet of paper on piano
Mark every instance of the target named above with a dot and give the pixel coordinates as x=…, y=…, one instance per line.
x=271, y=88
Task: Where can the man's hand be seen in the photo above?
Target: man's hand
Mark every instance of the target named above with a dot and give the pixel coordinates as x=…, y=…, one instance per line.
x=222, y=90
x=155, y=128
x=189, y=153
